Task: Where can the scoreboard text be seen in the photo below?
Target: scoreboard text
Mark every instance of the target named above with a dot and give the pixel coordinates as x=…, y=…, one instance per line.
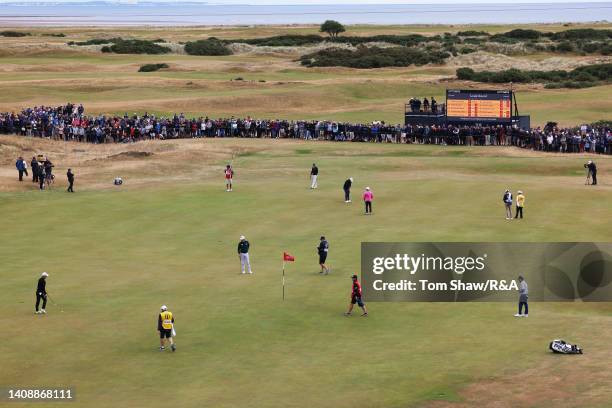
x=474, y=105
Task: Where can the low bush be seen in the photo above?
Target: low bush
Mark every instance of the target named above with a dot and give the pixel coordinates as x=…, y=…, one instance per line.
x=521, y=34
x=301, y=40
x=210, y=46
x=474, y=40
x=284, y=40
x=581, y=77
x=372, y=57
x=152, y=67
x=582, y=34
x=136, y=47
x=95, y=41
x=467, y=50
x=13, y=34
x=473, y=33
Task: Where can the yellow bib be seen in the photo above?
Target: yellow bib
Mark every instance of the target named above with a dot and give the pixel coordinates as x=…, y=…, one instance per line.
x=166, y=318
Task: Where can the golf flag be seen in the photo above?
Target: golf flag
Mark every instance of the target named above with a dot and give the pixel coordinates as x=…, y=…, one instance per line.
x=286, y=258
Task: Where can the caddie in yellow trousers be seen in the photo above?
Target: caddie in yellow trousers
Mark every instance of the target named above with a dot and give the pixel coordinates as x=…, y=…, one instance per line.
x=520, y=203
x=165, y=326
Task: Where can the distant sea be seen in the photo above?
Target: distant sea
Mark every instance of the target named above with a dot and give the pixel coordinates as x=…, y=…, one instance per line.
x=188, y=14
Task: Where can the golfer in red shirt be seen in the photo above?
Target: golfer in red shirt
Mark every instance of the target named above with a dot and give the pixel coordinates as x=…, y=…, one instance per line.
x=356, y=297
x=229, y=174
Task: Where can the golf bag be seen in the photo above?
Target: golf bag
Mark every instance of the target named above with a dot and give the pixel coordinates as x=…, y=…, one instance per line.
x=561, y=347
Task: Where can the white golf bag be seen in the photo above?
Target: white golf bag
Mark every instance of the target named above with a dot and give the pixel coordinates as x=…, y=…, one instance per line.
x=561, y=347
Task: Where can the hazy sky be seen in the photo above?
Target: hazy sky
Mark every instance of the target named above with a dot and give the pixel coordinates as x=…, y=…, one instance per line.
x=331, y=2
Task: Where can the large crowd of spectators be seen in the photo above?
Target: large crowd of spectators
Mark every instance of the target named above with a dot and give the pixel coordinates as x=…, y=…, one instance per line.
x=71, y=123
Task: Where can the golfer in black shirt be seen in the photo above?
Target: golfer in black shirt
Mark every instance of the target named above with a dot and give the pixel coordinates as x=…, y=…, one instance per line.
x=41, y=177
x=314, y=174
x=34, y=166
x=70, y=176
x=592, y=169
x=41, y=293
x=347, y=189
x=323, y=249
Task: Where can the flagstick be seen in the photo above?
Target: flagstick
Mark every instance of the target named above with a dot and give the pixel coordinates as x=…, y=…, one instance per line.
x=283, y=278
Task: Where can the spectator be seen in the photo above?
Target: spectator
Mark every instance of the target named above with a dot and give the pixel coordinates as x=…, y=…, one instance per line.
x=22, y=167
x=71, y=122
x=34, y=167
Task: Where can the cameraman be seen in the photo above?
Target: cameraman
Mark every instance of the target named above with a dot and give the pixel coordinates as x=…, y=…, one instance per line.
x=592, y=171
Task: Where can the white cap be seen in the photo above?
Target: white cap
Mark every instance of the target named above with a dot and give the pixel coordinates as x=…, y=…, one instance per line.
x=44, y=274
x=164, y=308
x=520, y=192
x=350, y=178
x=368, y=188
x=242, y=238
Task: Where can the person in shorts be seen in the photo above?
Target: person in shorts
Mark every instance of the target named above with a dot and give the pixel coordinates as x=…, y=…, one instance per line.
x=229, y=175
x=165, y=326
x=322, y=250
x=356, y=297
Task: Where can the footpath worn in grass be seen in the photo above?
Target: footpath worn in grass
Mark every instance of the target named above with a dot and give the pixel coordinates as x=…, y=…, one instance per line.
x=115, y=255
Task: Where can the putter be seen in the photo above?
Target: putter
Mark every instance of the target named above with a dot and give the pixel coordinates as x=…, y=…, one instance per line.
x=55, y=304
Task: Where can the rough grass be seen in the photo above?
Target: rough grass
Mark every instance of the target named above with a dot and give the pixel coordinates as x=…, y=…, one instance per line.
x=168, y=236
x=37, y=70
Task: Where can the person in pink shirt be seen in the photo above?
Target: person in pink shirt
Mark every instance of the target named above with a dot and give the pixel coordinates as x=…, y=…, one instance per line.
x=368, y=197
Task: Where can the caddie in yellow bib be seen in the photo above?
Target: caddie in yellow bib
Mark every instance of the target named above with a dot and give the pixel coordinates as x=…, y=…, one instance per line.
x=165, y=326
